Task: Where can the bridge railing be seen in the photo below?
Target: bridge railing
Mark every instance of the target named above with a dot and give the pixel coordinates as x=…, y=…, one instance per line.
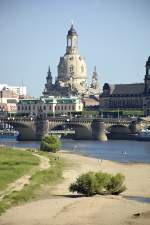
x=67, y=119
x=62, y=132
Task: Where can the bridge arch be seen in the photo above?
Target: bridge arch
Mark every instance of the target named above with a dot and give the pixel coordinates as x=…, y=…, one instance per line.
x=118, y=128
x=26, y=129
x=82, y=131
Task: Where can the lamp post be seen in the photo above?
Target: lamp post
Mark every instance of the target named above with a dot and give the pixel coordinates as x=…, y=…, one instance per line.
x=118, y=113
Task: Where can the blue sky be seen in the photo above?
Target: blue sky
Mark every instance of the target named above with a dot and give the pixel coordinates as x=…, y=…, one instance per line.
x=114, y=35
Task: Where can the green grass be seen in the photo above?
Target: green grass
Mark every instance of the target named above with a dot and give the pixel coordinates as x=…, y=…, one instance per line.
x=14, y=164
x=38, y=181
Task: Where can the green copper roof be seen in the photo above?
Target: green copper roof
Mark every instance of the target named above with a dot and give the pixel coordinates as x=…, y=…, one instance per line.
x=50, y=100
x=29, y=101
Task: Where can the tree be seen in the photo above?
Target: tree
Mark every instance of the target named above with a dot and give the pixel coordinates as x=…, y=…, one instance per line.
x=92, y=183
x=50, y=144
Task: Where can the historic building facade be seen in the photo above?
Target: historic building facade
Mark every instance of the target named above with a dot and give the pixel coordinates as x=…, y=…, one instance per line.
x=49, y=106
x=8, y=101
x=128, y=96
x=72, y=73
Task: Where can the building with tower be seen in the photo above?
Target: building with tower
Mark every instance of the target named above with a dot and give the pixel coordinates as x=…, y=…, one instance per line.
x=146, y=103
x=128, y=96
x=72, y=72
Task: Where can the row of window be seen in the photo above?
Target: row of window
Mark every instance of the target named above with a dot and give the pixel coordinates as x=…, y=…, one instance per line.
x=126, y=103
x=41, y=108
x=72, y=68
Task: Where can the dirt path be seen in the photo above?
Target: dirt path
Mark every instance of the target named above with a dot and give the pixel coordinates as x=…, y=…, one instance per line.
x=25, y=180
x=61, y=209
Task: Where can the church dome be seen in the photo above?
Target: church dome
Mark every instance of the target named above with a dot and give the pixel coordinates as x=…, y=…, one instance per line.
x=72, y=66
x=72, y=69
x=72, y=31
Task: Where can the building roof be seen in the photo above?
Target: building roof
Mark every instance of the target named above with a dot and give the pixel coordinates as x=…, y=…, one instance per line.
x=135, y=88
x=148, y=62
x=90, y=102
x=29, y=101
x=72, y=31
x=51, y=100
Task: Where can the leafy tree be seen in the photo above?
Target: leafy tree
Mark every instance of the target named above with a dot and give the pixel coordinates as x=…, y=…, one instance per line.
x=50, y=144
x=92, y=183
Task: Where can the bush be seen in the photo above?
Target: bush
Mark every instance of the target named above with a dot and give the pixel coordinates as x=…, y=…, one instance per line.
x=102, y=180
x=93, y=183
x=50, y=144
x=85, y=184
x=115, y=185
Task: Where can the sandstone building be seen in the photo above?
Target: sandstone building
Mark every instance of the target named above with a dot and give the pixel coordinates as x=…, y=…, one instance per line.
x=128, y=96
x=49, y=106
x=72, y=73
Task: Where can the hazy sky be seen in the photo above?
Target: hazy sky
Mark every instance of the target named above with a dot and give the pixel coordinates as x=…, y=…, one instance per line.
x=114, y=35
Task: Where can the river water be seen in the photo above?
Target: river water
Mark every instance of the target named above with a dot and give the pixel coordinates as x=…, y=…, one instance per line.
x=115, y=150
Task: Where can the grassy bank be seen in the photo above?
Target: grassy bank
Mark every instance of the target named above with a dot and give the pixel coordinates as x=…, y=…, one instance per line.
x=14, y=164
x=38, y=182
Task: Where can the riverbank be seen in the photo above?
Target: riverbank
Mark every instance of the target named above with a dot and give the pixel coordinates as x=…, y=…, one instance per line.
x=61, y=207
x=24, y=174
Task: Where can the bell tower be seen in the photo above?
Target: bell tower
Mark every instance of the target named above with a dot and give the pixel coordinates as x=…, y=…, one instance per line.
x=72, y=41
x=48, y=85
x=147, y=77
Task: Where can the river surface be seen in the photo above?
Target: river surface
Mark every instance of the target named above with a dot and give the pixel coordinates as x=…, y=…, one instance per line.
x=115, y=150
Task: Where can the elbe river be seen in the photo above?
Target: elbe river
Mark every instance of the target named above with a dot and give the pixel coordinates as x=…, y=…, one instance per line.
x=115, y=150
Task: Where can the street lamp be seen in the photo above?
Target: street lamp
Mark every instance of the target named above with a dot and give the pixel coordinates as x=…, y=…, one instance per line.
x=118, y=113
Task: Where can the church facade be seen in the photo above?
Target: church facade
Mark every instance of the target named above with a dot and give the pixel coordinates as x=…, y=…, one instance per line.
x=128, y=96
x=72, y=73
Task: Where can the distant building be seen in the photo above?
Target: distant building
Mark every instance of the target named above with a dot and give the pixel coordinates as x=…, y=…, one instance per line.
x=72, y=73
x=49, y=106
x=91, y=103
x=128, y=96
x=8, y=101
x=9, y=96
x=20, y=91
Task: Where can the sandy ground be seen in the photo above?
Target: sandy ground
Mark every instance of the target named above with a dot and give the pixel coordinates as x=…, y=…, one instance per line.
x=62, y=209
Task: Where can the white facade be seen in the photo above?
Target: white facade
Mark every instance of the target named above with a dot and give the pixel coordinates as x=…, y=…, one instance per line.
x=72, y=69
x=22, y=90
x=8, y=101
x=72, y=73
x=49, y=106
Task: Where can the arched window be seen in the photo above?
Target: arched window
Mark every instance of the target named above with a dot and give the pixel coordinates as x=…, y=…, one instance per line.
x=69, y=42
x=71, y=68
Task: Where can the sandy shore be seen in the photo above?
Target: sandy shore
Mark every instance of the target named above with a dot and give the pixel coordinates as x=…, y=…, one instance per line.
x=61, y=209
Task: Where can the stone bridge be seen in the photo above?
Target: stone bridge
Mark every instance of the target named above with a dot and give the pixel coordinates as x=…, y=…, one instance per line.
x=85, y=128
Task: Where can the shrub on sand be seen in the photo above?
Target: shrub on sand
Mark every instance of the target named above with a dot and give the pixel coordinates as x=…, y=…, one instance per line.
x=92, y=183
